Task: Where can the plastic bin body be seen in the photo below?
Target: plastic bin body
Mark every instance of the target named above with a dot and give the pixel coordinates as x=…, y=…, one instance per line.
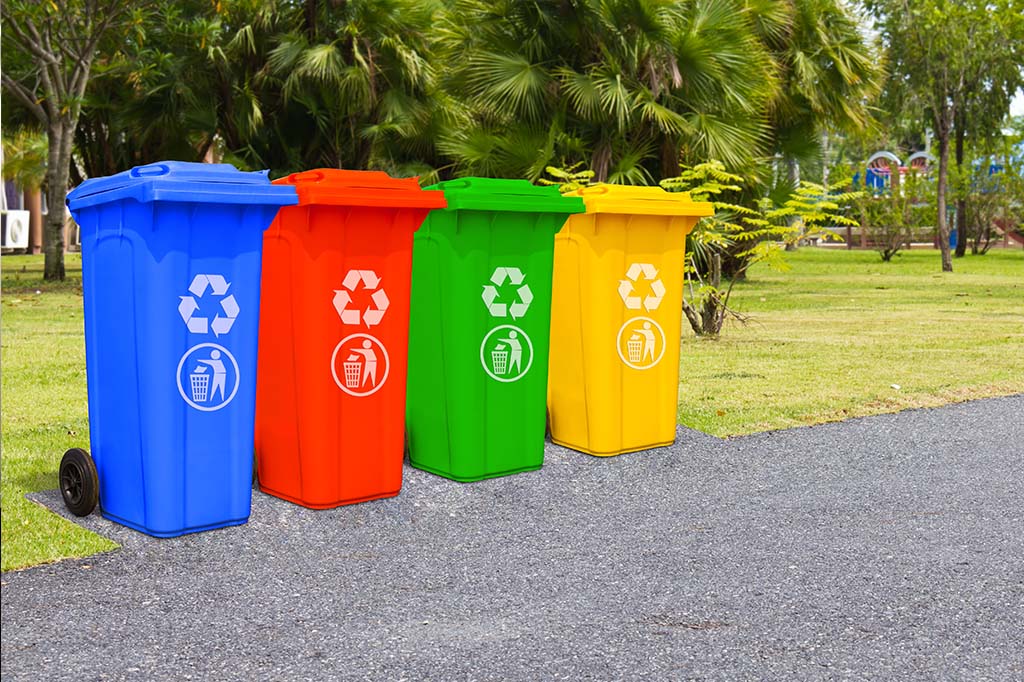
x=170, y=278
x=478, y=345
x=616, y=319
x=336, y=275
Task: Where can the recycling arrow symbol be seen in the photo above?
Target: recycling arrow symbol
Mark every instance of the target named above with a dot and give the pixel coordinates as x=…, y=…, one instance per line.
x=374, y=313
x=524, y=295
x=628, y=294
x=187, y=306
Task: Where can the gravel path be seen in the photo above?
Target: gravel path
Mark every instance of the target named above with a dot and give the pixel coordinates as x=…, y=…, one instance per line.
x=878, y=548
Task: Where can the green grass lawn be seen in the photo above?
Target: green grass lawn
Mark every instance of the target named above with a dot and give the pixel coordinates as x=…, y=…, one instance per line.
x=44, y=408
x=834, y=337
x=826, y=341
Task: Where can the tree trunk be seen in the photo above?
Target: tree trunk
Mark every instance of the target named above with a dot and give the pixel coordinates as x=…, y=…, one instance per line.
x=793, y=179
x=940, y=192
x=792, y=171
x=824, y=159
x=310, y=12
x=601, y=161
x=59, y=137
x=961, y=201
x=713, y=315
x=669, y=157
x=34, y=206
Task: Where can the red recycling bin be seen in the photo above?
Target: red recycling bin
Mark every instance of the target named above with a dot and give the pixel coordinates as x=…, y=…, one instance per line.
x=333, y=339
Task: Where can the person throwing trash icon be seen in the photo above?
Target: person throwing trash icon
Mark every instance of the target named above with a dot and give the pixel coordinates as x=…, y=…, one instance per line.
x=369, y=362
x=220, y=374
x=515, y=352
x=648, y=336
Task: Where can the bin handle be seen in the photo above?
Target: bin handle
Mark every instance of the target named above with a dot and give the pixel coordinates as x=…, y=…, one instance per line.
x=152, y=169
x=306, y=176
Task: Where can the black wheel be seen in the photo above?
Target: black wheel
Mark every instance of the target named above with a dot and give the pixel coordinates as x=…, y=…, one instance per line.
x=79, y=483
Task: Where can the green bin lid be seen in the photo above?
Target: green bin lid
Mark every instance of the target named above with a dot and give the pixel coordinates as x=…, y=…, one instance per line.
x=493, y=194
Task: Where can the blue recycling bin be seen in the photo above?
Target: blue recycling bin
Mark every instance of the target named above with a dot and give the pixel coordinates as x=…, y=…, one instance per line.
x=171, y=258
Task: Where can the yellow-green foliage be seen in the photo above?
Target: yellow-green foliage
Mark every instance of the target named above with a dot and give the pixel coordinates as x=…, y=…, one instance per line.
x=762, y=230
x=568, y=179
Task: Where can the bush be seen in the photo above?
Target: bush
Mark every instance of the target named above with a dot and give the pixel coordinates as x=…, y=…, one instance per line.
x=994, y=201
x=895, y=218
x=748, y=235
x=745, y=234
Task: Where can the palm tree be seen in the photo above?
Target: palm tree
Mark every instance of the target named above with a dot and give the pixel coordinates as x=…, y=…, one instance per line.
x=175, y=85
x=628, y=86
x=269, y=84
x=351, y=86
x=24, y=159
x=829, y=74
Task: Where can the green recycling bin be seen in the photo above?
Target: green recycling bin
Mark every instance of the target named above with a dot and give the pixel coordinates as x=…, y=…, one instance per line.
x=479, y=328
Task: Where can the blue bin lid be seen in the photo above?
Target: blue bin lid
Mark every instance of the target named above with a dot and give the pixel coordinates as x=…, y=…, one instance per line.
x=219, y=183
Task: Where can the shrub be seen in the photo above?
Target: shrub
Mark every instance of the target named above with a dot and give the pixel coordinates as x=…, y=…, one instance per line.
x=895, y=218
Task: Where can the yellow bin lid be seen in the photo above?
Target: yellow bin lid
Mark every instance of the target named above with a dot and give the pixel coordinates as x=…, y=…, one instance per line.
x=622, y=199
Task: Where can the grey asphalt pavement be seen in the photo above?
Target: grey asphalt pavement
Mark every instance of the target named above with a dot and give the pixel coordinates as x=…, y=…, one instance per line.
x=889, y=547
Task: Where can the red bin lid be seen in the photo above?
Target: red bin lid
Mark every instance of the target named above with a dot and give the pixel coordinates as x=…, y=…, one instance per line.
x=338, y=187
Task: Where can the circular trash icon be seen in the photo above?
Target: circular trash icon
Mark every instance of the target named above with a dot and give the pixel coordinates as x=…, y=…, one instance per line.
x=506, y=353
x=641, y=343
x=207, y=377
x=360, y=365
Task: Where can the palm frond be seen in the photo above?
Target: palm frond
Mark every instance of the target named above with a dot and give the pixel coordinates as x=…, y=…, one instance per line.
x=510, y=82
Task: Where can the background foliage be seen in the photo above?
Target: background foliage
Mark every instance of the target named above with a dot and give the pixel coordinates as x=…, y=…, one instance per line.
x=631, y=88
x=779, y=91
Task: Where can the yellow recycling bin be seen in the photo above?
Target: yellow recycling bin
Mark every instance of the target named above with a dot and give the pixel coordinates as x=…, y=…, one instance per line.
x=613, y=382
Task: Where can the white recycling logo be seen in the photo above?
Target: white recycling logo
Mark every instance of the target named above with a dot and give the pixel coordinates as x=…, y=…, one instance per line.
x=627, y=293
x=374, y=313
x=188, y=306
x=499, y=278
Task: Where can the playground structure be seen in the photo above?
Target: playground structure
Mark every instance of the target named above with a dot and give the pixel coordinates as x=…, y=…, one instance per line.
x=884, y=171
x=920, y=161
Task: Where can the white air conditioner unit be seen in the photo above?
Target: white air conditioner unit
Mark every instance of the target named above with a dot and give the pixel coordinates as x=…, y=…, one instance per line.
x=14, y=229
